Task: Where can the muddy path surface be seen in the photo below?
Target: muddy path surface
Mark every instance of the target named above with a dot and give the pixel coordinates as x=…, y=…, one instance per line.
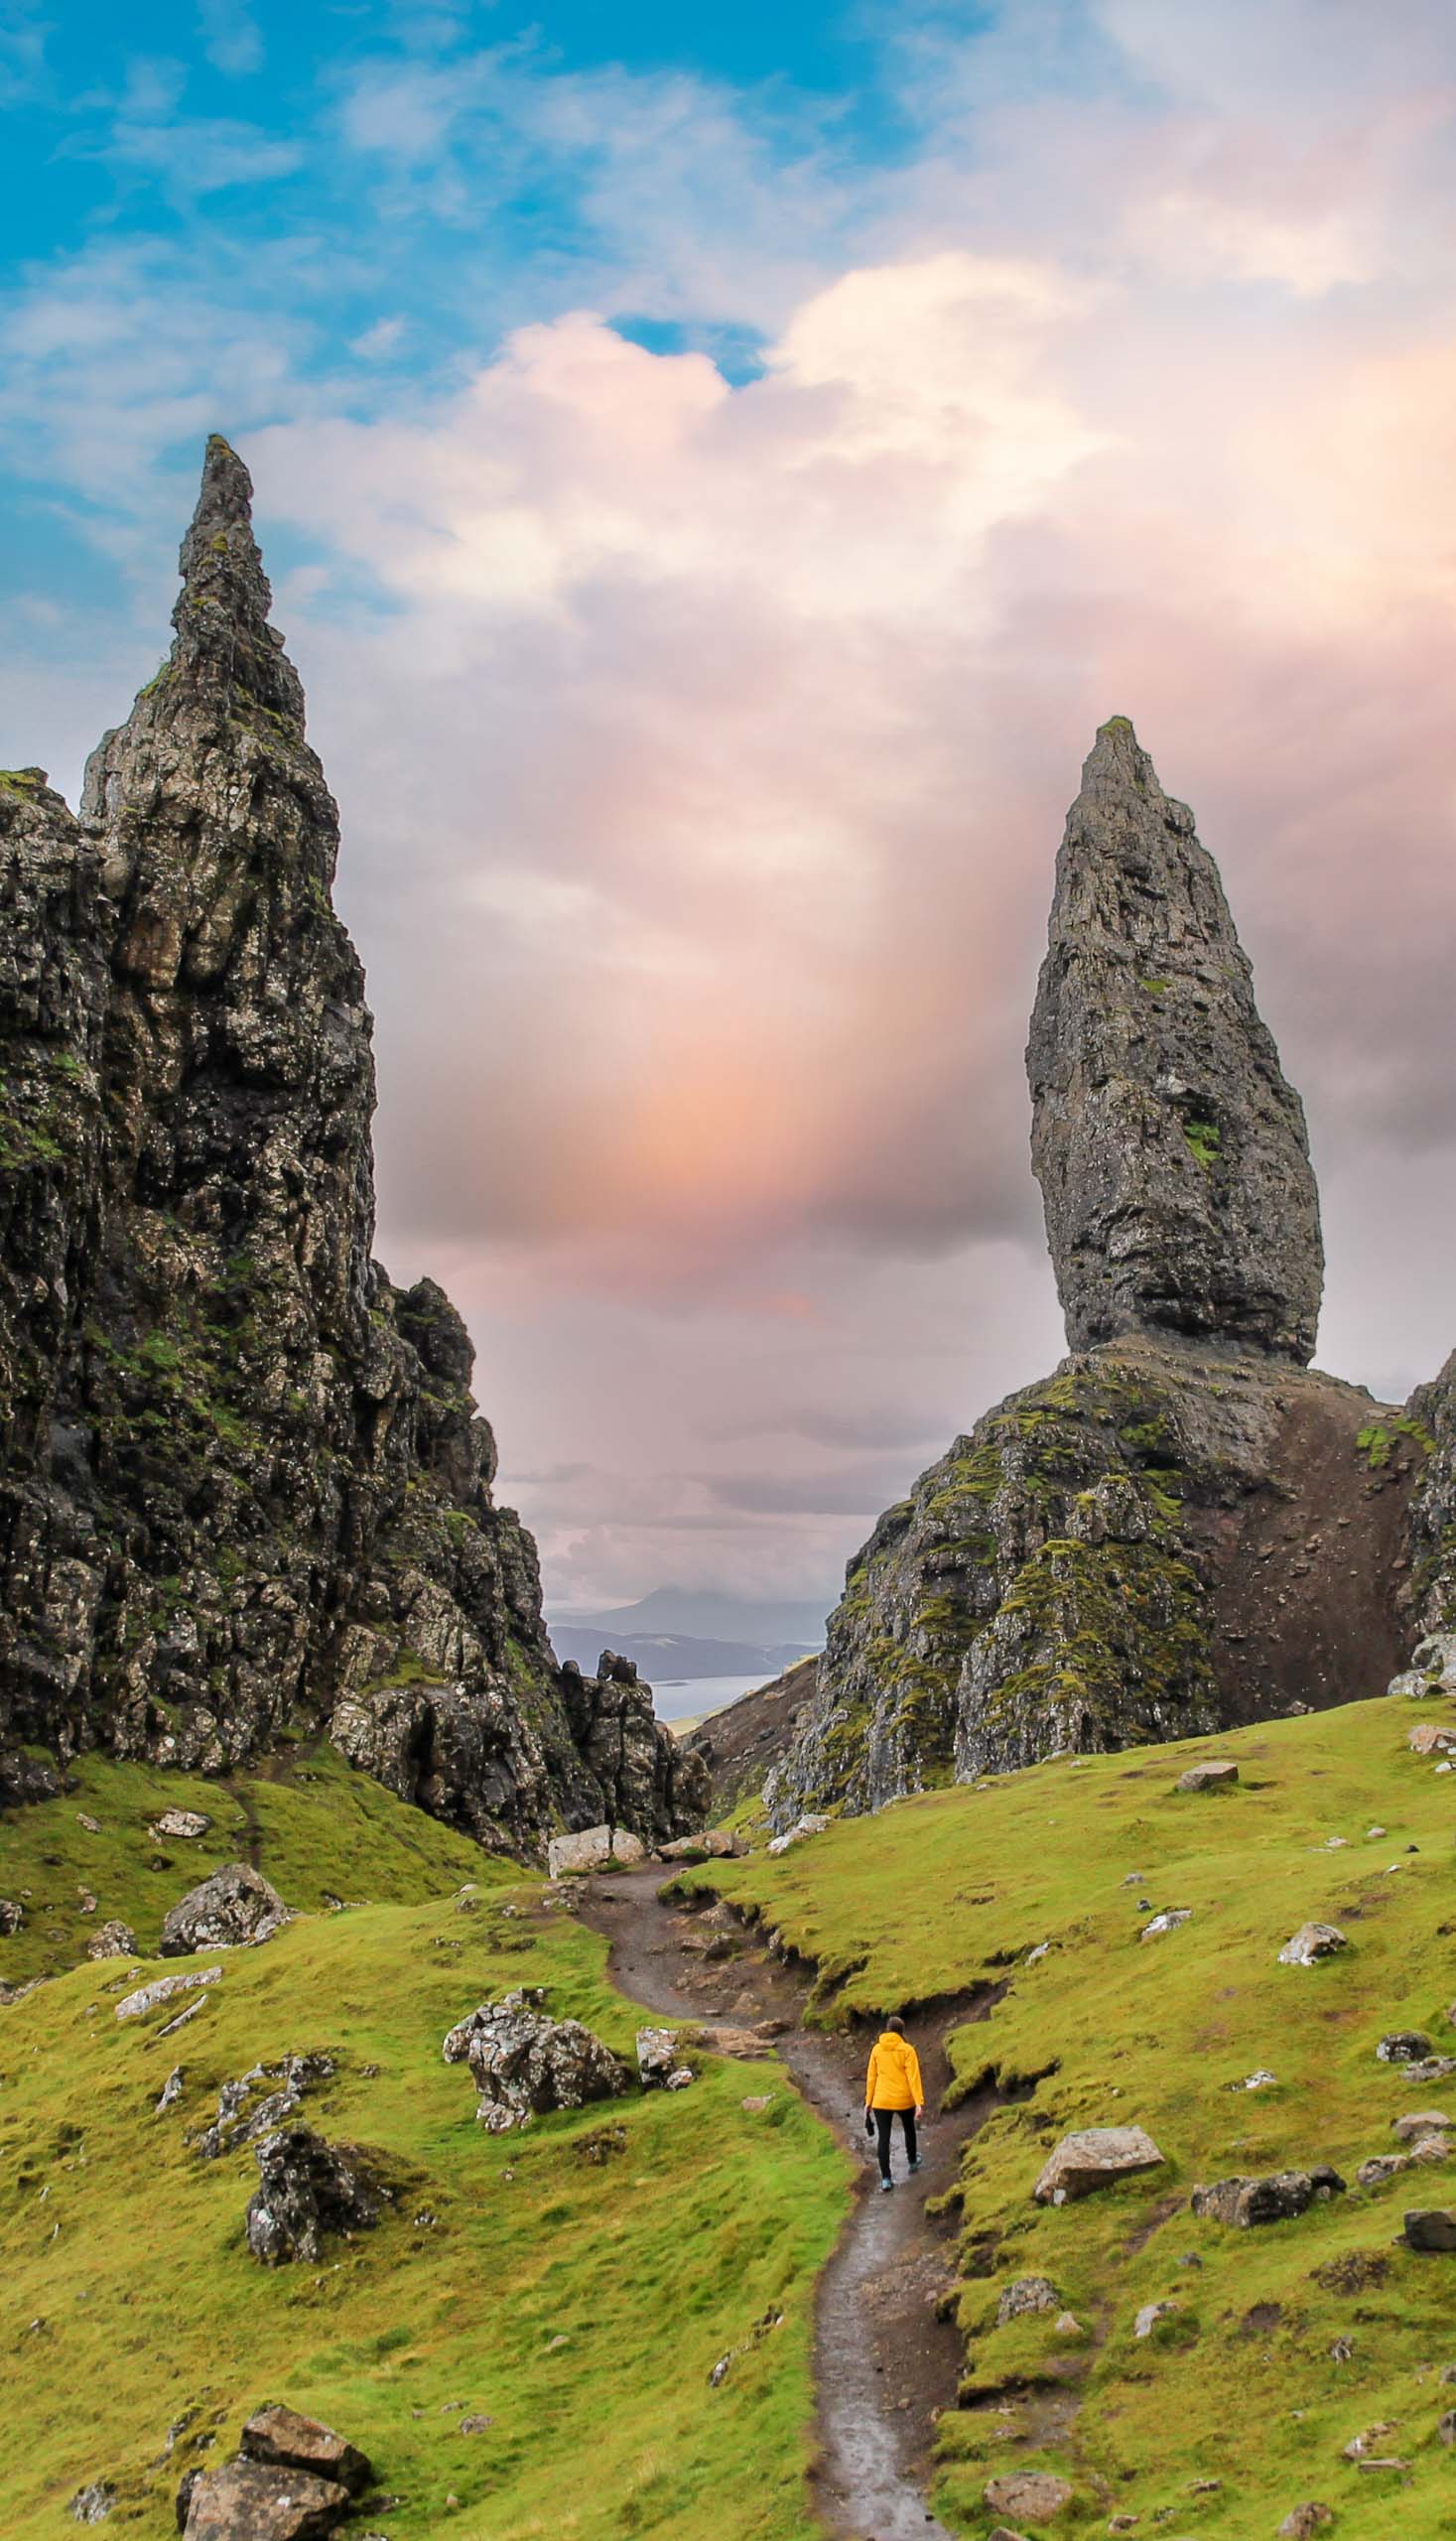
x=884, y=2361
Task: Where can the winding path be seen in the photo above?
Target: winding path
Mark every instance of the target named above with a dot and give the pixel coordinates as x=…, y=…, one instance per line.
x=884, y=2361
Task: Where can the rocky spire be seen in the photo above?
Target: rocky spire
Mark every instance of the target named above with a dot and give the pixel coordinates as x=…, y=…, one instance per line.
x=1170, y=1149
x=223, y=637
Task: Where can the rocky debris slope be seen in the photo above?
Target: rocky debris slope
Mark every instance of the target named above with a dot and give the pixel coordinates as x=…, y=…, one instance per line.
x=244, y=1481
x=1171, y=1152
x=1183, y=1529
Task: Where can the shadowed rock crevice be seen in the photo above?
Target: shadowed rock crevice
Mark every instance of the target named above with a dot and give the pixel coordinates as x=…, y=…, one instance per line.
x=246, y=1483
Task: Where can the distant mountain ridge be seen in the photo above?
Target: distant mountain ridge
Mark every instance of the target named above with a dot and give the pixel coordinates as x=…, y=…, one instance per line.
x=694, y=1633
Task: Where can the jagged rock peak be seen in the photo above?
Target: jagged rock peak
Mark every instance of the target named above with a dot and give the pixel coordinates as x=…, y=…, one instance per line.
x=1171, y=1149
x=221, y=612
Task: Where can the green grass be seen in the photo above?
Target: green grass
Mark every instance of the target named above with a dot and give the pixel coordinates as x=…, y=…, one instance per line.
x=127, y=2297
x=957, y=1886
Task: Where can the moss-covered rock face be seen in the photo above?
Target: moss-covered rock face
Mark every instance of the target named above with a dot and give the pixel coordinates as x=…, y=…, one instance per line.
x=244, y=1479
x=1156, y=1542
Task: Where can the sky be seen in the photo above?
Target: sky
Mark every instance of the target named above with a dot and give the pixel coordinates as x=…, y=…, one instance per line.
x=717, y=467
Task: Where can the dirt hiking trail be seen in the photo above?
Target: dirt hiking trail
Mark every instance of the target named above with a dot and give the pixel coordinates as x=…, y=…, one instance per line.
x=884, y=2362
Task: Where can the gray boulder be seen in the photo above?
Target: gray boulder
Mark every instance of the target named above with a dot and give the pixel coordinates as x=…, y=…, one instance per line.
x=113, y=1940
x=1095, y=2157
x=255, y=2502
x=715, y=1844
x=573, y=1856
x=1026, y=2294
x=1032, y=2496
x=1312, y=1941
x=1273, y=2200
x=1404, y=2047
x=1432, y=2227
x=526, y=2063
x=657, y=2055
x=12, y=1916
x=181, y=1825
x=1219, y=1773
x=308, y=2190
x=93, y=2503
x=291, y=2442
x=165, y=1990
x=235, y=1907
x=1171, y=1152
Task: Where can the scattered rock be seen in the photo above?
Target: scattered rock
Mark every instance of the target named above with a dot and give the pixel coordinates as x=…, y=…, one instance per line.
x=12, y=1917
x=1447, y=2428
x=1303, y=2521
x=812, y=1822
x=91, y=1824
x=757, y=2102
x=525, y=2064
x=244, y=2118
x=1033, y=2496
x=1025, y=2294
x=1431, y=1738
x=93, y=2503
x=476, y=2425
x=572, y=1856
x=181, y=1823
x=236, y=1906
x=1167, y=1922
x=1147, y=2319
x=1095, y=2157
x=679, y=2079
x=1312, y=1941
x=113, y=1940
x=164, y=1989
x=307, y=2190
x=171, y=2091
x=1432, y=2068
x=715, y=1844
x=1274, y=2200
x=1404, y=2047
x=657, y=2055
x=1431, y=2228
x=1419, y=2124
x=1381, y=2167
x=254, y=2502
x=294, y=2442
x=1259, y=2079
x=1219, y=1773
x=1362, y=2446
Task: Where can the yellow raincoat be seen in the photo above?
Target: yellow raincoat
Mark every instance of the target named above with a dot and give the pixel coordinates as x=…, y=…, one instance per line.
x=893, y=2080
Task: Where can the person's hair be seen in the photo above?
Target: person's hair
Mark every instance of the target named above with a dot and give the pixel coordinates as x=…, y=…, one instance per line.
x=897, y=2024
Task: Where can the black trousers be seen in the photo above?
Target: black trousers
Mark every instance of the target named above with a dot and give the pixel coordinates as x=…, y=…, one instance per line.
x=885, y=2120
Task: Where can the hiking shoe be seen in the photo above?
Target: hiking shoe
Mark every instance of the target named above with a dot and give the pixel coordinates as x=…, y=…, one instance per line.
x=885, y=2186
x=915, y=2164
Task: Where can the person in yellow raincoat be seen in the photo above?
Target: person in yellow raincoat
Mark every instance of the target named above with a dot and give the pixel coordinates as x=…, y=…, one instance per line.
x=893, y=2086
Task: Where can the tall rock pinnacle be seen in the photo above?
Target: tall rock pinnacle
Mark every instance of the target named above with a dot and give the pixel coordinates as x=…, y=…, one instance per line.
x=1170, y=1149
x=245, y=1487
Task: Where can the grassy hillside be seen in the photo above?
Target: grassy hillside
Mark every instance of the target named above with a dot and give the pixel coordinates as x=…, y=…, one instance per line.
x=1236, y=2409
x=129, y=2302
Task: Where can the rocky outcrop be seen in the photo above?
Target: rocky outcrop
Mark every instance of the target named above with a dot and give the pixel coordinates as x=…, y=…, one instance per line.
x=307, y=2190
x=526, y=2063
x=244, y=1481
x=1158, y=1542
x=233, y=1908
x=1184, y=1529
x=1171, y=1152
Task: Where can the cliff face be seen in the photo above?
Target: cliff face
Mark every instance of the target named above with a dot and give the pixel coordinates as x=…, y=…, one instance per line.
x=1183, y=1529
x=244, y=1480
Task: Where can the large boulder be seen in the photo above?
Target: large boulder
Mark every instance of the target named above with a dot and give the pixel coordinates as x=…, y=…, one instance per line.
x=306, y=2191
x=1220, y=1773
x=235, y=1907
x=1095, y=2157
x=113, y=1940
x=1312, y=1941
x=525, y=2064
x=1432, y=2227
x=715, y=1844
x=593, y=1848
x=291, y=2442
x=1274, y=2200
x=254, y=2502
